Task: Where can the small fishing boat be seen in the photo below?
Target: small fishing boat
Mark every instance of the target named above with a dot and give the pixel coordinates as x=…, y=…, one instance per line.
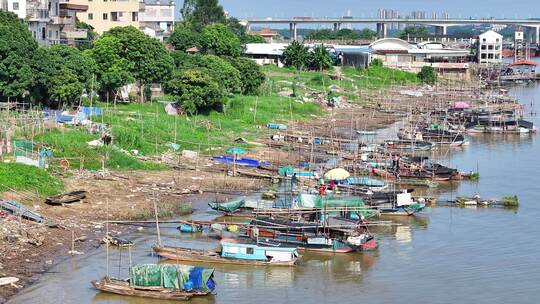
x=66, y=198
x=417, y=145
x=234, y=252
x=165, y=282
x=359, y=132
x=116, y=241
x=434, y=136
x=228, y=207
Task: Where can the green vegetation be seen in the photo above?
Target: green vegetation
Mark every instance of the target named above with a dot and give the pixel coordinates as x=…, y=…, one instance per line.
x=72, y=145
x=319, y=59
x=62, y=74
x=510, y=201
x=21, y=177
x=184, y=36
x=414, y=31
x=427, y=75
x=300, y=56
x=379, y=76
x=296, y=55
x=195, y=91
x=17, y=47
x=219, y=40
x=202, y=12
x=343, y=34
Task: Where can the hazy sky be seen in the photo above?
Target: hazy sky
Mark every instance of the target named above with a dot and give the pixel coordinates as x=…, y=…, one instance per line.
x=364, y=8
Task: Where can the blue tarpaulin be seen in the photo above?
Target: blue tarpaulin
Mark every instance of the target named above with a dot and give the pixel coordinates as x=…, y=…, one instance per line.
x=91, y=111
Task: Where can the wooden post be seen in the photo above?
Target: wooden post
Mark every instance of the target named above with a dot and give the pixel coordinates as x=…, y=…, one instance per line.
x=157, y=221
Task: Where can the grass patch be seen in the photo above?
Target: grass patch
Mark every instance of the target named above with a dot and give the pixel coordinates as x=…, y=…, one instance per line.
x=149, y=130
x=21, y=177
x=72, y=145
x=165, y=211
x=510, y=201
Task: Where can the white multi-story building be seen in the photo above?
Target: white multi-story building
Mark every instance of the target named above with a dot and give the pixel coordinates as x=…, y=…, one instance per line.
x=157, y=18
x=490, y=47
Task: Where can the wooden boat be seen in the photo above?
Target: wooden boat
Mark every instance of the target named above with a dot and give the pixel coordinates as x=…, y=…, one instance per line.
x=359, y=132
x=409, y=175
x=233, y=252
x=407, y=145
x=116, y=241
x=165, y=281
x=122, y=287
x=438, y=137
x=66, y=198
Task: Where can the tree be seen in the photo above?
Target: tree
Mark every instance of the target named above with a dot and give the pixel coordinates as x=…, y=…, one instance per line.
x=17, y=47
x=148, y=60
x=187, y=9
x=414, y=31
x=112, y=70
x=376, y=63
x=184, y=36
x=185, y=61
x=296, y=55
x=219, y=40
x=203, y=12
x=223, y=72
x=195, y=90
x=367, y=34
x=347, y=34
x=427, y=75
x=324, y=34
x=248, y=38
x=319, y=59
x=251, y=74
x=62, y=74
x=241, y=32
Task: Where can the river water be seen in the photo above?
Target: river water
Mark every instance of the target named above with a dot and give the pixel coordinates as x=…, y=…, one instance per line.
x=460, y=255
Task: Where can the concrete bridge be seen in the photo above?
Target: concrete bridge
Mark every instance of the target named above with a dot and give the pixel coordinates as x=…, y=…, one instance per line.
x=441, y=25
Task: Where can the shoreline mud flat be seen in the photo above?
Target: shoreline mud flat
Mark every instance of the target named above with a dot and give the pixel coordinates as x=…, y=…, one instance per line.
x=129, y=195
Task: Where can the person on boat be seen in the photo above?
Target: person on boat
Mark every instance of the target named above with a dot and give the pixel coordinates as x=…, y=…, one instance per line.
x=397, y=169
x=322, y=190
x=294, y=180
x=332, y=185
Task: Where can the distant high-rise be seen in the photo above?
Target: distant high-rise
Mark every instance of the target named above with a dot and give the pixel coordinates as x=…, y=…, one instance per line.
x=390, y=14
x=418, y=15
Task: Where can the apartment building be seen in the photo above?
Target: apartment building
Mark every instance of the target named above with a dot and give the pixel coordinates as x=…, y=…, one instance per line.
x=106, y=14
x=490, y=47
x=157, y=18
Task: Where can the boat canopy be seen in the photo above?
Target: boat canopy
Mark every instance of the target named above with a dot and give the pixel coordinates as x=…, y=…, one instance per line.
x=228, y=207
x=172, y=276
